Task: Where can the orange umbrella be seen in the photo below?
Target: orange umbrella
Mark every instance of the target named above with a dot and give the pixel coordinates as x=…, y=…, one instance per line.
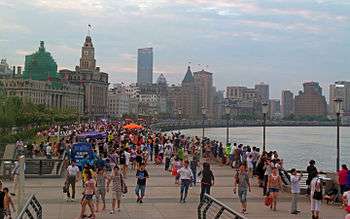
x=133, y=126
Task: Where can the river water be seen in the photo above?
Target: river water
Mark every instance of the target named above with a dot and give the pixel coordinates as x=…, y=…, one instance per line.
x=295, y=145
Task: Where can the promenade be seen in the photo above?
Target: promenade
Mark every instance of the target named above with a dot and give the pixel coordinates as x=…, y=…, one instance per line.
x=162, y=199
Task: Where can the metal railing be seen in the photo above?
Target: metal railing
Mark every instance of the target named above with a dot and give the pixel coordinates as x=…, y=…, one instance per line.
x=32, y=209
x=34, y=167
x=211, y=208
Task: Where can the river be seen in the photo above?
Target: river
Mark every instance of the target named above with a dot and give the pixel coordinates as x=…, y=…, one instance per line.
x=295, y=145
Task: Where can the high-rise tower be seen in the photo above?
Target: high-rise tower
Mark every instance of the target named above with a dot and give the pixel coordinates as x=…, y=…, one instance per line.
x=145, y=66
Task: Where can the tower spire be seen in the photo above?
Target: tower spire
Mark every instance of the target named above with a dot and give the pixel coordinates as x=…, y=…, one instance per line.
x=89, y=30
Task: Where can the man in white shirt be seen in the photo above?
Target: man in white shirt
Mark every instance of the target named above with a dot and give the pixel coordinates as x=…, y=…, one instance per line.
x=73, y=174
x=295, y=190
x=186, y=177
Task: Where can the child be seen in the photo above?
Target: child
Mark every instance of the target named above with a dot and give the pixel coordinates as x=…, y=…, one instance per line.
x=7, y=203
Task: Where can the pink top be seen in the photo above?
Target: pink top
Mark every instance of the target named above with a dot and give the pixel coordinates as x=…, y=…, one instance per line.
x=90, y=187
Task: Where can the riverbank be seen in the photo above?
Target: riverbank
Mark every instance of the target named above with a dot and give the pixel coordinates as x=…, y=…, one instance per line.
x=169, y=125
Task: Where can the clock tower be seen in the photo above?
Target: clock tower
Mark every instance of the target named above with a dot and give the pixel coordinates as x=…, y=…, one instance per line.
x=87, y=60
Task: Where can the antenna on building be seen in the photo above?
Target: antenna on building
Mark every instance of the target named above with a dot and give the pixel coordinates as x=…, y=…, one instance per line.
x=89, y=29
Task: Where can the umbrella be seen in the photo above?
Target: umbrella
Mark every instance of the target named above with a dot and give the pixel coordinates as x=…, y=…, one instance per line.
x=133, y=126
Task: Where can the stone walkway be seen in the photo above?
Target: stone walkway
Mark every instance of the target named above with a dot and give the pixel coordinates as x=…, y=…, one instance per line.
x=162, y=199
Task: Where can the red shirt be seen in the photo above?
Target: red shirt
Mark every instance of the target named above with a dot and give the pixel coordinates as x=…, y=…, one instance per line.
x=342, y=174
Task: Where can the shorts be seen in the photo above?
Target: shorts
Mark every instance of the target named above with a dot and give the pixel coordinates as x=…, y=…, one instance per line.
x=100, y=193
x=242, y=195
x=116, y=195
x=88, y=197
x=315, y=205
x=273, y=190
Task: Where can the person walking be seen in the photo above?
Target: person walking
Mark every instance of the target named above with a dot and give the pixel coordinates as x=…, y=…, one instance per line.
x=316, y=196
x=241, y=181
x=117, y=182
x=295, y=190
x=186, y=177
x=101, y=180
x=274, y=184
x=207, y=180
x=73, y=174
x=89, y=191
x=141, y=175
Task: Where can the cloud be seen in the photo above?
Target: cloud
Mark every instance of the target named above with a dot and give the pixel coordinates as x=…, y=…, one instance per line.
x=21, y=52
x=12, y=26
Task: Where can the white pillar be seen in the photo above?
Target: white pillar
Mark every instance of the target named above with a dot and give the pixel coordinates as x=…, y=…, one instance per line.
x=20, y=185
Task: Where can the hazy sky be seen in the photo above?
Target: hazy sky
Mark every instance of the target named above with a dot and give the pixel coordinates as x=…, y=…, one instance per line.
x=279, y=42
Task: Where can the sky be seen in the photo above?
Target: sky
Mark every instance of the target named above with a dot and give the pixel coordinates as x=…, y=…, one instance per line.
x=243, y=42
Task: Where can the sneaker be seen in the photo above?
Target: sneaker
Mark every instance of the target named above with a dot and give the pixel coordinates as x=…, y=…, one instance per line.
x=68, y=199
x=72, y=199
x=294, y=212
x=141, y=201
x=138, y=200
x=111, y=212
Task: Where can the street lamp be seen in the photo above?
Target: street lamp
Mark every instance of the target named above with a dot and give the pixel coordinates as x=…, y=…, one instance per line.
x=338, y=103
x=265, y=110
x=227, y=112
x=204, y=112
x=179, y=111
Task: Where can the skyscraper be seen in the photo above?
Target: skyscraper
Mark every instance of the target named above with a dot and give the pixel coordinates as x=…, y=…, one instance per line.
x=287, y=103
x=145, y=66
x=204, y=82
x=263, y=91
x=310, y=102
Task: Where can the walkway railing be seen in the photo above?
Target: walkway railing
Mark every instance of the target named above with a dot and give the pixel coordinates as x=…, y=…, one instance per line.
x=32, y=209
x=211, y=208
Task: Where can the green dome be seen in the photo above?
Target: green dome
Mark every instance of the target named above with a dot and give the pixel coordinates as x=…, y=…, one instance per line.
x=40, y=66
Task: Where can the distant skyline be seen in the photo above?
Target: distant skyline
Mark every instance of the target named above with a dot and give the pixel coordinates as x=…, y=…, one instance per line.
x=279, y=42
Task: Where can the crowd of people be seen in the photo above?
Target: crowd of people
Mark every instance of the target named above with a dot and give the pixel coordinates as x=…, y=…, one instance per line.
x=122, y=152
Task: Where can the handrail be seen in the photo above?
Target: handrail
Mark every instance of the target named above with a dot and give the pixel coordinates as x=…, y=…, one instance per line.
x=62, y=163
x=33, y=202
x=208, y=201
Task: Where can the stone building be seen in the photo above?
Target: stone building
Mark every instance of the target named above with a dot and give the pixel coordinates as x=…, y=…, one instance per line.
x=310, y=102
x=204, y=84
x=41, y=83
x=118, y=101
x=94, y=82
x=189, y=97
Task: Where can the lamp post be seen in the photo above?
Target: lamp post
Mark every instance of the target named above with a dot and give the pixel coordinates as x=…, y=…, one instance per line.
x=338, y=103
x=265, y=109
x=227, y=112
x=204, y=112
x=179, y=112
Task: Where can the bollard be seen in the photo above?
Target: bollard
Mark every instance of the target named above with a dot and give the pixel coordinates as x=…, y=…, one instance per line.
x=20, y=184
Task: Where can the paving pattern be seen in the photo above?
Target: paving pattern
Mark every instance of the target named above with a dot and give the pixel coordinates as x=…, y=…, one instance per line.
x=162, y=199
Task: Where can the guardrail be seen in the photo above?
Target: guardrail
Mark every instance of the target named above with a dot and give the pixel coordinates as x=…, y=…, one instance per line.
x=34, y=167
x=211, y=208
x=32, y=209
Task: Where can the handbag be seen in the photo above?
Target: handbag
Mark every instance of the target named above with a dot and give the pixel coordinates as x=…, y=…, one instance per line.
x=268, y=200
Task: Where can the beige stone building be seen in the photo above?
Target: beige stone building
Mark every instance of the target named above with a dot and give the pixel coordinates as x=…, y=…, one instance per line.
x=204, y=83
x=94, y=82
x=42, y=92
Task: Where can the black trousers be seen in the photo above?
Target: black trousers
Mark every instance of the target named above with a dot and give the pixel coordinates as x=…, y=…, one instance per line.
x=205, y=189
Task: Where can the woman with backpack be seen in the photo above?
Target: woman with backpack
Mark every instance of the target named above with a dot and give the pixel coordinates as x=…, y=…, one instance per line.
x=316, y=196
